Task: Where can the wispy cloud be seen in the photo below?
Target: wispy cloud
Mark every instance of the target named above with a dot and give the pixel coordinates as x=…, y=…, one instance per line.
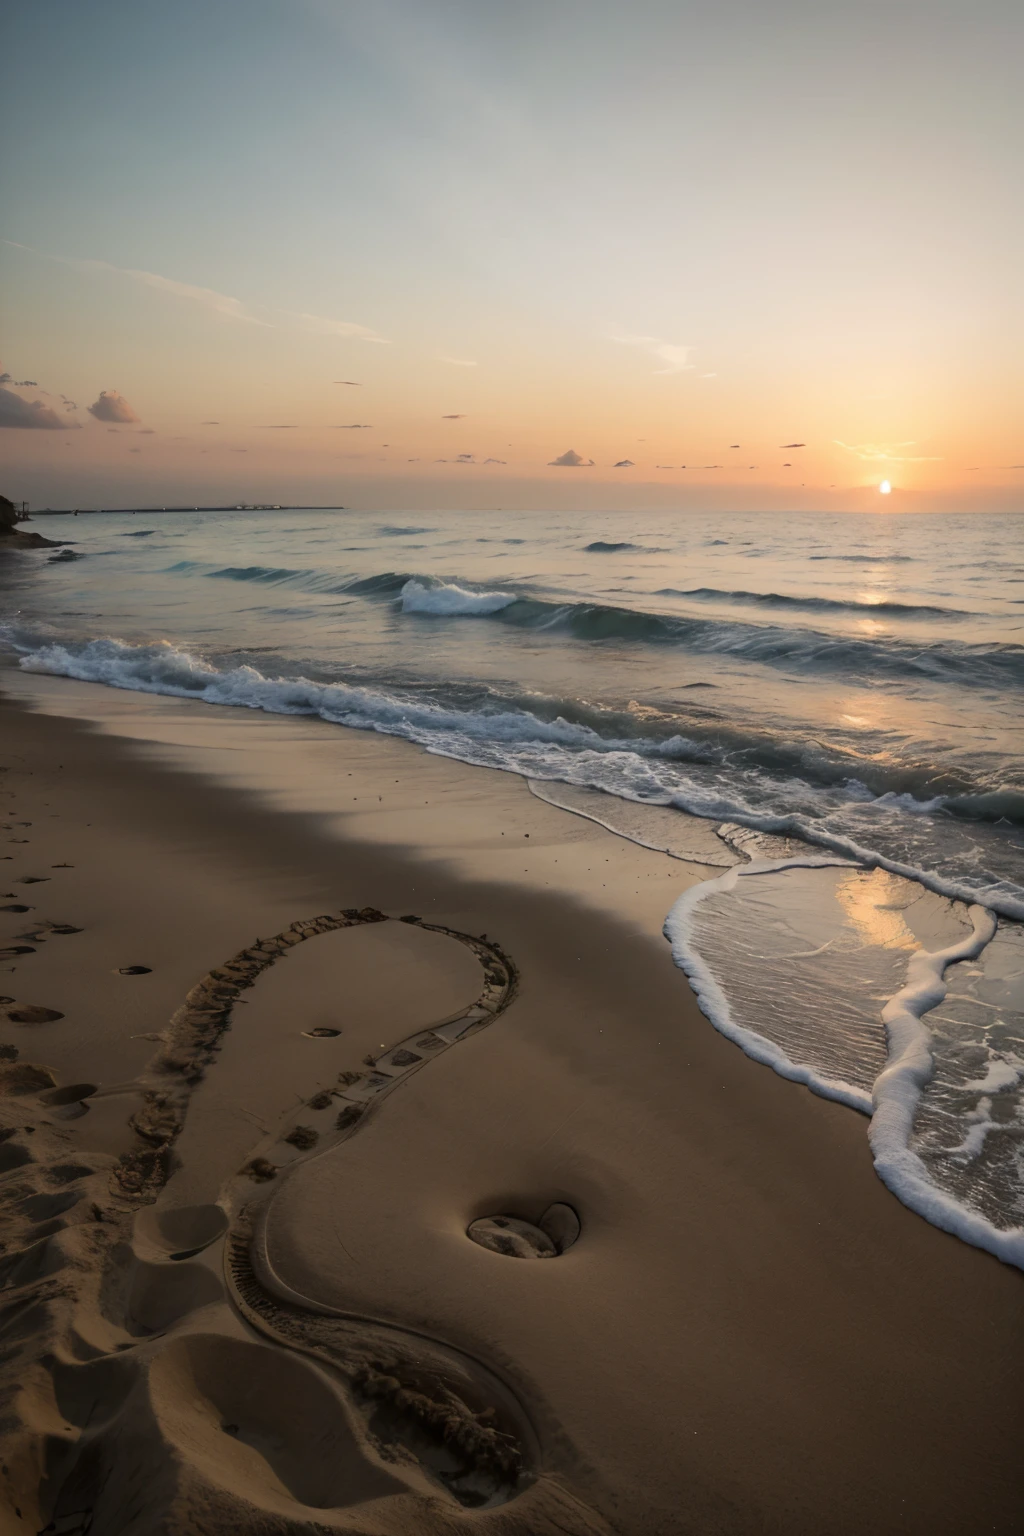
x=353, y=382
x=320, y=325
x=209, y=298
x=623, y=464
x=459, y=362
x=352, y=426
x=570, y=459
x=874, y=452
x=676, y=358
x=222, y=304
x=454, y=418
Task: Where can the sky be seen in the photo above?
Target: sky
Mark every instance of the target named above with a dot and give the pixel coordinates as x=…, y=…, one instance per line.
x=467, y=253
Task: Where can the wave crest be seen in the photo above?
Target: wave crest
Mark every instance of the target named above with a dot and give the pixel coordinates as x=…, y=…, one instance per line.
x=449, y=599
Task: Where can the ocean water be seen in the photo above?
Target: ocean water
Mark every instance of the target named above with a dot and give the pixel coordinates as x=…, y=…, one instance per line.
x=843, y=689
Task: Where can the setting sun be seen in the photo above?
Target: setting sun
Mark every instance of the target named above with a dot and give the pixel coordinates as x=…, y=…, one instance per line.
x=885, y=488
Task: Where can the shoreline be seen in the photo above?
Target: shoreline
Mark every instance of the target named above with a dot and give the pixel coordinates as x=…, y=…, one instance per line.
x=712, y=1356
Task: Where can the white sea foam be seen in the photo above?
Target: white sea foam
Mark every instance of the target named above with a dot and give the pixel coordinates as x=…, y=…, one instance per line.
x=641, y=769
x=449, y=600
x=1002, y=1072
x=680, y=928
x=896, y=1093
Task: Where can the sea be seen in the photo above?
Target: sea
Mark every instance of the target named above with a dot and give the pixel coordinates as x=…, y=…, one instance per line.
x=839, y=697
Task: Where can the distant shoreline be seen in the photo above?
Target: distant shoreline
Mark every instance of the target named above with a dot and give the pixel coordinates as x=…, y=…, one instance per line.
x=156, y=511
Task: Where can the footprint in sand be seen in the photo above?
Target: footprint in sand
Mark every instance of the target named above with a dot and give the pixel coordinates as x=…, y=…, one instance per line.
x=28, y=1013
x=67, y=1103
x=43, y=931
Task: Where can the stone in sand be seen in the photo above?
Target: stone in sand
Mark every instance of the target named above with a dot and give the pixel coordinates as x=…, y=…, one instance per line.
x=512, y=1237
x=561, y=1224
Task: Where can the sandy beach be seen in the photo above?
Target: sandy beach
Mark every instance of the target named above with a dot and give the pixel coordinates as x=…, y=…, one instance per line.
x=264, y=1312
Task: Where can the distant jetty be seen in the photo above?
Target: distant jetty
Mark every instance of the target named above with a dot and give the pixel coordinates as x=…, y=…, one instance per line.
x=157, y=511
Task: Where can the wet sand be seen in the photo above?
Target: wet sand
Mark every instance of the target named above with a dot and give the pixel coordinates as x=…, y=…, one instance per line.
x=750, y=1334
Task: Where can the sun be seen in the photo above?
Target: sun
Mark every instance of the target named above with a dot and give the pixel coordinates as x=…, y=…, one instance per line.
x=885, y=488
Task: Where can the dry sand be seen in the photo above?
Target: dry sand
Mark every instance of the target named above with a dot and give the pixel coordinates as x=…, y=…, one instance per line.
x=749, y=1335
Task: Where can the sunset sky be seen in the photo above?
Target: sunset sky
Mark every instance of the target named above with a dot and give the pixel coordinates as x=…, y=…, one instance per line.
x=414, y=252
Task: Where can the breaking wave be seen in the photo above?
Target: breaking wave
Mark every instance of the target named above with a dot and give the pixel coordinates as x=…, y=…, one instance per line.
x=542, y=740
x=800, y=649
x=449, y=600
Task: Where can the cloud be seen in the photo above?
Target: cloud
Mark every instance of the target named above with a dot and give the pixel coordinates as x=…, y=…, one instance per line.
x=495, y=461
x=873, y=452
x=792, y=445
x=134, y=450
x=459, y=362
x=675, y=358
x=110, y=406
x=209, y=423
x=69, y=405
x=454, y=418
x=320, y=325
x=217, y=303
x=208, y=298
x=570, y=459
x=623, y=464
x=354, y=382
x=352, y=426
x=464, y=458
x=5, y=378
x=16, y=412
x=281, y=426
x=147, y=432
